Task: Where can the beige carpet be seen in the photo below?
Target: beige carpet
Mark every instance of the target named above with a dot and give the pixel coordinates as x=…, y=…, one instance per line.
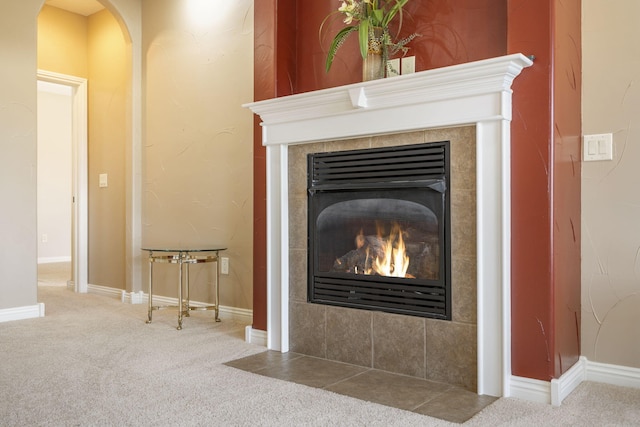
x=92, y=360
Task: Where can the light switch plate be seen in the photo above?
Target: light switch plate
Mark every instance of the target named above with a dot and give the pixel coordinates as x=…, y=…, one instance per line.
x=409, y=65
x=598, y=147
x=393, y=67
x=103, y=180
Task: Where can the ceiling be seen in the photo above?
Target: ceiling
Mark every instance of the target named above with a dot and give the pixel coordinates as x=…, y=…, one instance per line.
x=81, y=7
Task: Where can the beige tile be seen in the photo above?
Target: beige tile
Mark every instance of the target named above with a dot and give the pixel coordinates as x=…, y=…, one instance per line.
x=399, y=343
x=266, y=359
x=348, y=144
x=312, y=371
x=456, y=405
x=397, y=139
x=463, y=236
x=464, y=289
x=349, y=336
x=389, y=389
x=298, y=277
x=451, y=353
x=297, y=223
x=307, y=328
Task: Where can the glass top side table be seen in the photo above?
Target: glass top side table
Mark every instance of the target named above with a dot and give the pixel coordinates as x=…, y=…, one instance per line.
x=184, y=256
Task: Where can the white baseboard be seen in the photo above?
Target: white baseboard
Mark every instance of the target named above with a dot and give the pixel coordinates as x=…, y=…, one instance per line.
x=563, y=386
x=557, y=390
x=53, y=259
x=613, y=374
x=530, y=389
x=255, y=336
x=21, y=313
x=242, y=315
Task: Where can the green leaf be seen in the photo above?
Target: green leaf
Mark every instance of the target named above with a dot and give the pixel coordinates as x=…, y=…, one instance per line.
x=338, y=40
x=363, y=34
x=397, y=7
x=378, y=15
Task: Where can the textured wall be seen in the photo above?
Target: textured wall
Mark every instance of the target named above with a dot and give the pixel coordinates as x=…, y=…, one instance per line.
x=109, y=64
x=62, y=42
x=198, y=158
x=451, y=32
x=18, y=247
x=610, y=197
x=545, y=171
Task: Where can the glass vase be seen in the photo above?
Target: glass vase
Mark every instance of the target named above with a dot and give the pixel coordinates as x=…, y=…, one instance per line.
x=373, y=65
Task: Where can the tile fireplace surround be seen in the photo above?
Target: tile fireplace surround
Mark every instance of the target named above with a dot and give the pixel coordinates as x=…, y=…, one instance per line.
x=476, y=95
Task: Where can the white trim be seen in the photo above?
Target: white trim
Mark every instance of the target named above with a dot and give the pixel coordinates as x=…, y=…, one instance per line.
x=21, y=313
x=530, y=389
x=476, y=93
x=80, y=174
x=557, y=390
x=613, y=374
x=242, y=315
x=563, y=386
x=53, y=259
x=255, y=336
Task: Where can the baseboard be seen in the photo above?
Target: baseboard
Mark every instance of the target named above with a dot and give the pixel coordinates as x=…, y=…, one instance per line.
x=53, y=259
x=613, y=374
x=22, y=313
x=557, y=390
x=104, y=291
x=255, y=336
x=563, y=386
x=530, y=389
x=242, y=315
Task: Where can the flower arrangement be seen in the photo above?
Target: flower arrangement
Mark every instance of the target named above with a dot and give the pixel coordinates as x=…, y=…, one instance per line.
x=363, y=17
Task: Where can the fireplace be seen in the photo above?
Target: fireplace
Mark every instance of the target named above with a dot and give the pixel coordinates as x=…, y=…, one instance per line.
x=474, y=94
x=379, y=229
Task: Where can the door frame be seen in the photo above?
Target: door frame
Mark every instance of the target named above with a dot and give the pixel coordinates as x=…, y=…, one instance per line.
x=79, y=149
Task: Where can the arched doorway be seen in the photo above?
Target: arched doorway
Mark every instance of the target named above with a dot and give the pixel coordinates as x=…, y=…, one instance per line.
x=112, y=212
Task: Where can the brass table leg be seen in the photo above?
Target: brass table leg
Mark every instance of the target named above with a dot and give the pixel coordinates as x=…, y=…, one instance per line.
x=150, y=287
x=180, y=302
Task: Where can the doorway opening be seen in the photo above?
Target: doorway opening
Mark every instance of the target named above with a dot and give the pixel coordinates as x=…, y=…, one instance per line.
x=76, y=87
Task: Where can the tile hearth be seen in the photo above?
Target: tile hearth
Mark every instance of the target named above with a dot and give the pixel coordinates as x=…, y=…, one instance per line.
x=425, y=397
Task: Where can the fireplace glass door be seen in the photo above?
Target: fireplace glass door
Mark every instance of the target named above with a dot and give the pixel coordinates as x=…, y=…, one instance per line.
x=380, y=242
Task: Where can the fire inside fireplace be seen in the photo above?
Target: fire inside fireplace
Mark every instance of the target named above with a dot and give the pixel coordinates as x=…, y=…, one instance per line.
x=379, y=229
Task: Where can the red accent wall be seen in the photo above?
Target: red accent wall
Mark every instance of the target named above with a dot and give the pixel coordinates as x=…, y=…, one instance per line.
x=546, y=131
x=452, y=32
x=545, y=134
x=567, y=137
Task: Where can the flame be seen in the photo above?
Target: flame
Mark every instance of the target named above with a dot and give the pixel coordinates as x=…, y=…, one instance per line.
x=394, y=261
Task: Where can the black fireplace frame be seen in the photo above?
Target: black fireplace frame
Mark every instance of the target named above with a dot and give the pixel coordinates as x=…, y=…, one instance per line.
x=419, y=168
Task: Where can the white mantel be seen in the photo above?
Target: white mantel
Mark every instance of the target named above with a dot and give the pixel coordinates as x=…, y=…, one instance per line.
x=477, y=93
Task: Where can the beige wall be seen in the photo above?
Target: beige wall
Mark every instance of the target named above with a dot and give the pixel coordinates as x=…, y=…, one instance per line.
x=62, y=42
x=610, y=194
x=197, y=156
x=109, y=84
x=94, y=47
x=18, y=247
x=18, y=55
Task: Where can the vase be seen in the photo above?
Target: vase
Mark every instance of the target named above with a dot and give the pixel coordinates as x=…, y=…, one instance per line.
x=373, y=65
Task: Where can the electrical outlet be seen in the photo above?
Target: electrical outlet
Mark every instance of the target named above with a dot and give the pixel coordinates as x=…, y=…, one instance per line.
x=45, y=238
x=224, y=265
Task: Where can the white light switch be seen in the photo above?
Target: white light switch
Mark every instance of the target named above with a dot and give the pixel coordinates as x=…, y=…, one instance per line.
x=598, y=147
x=408, y=65
x=393, y=67
x=103, y=180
